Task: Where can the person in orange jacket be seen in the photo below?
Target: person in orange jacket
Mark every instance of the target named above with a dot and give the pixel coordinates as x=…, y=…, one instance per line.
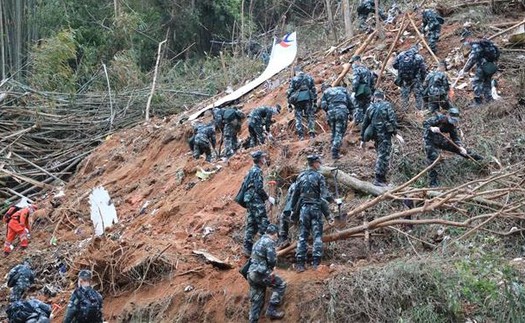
x=18, y=226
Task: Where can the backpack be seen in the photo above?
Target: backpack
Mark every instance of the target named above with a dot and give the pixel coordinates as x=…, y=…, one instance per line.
x=406, y=65
x=245, y=268
x=19, y=311
x=12, y=210
x=490, y=52
x=89, y=306
x=239, y=198
x=300, y=93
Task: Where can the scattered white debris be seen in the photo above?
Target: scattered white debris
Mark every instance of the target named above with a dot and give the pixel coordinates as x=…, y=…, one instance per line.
x=188, y=288
x=103, y=212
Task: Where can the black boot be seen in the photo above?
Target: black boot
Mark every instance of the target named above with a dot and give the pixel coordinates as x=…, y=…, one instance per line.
x=316, y=263
x=335, y=154
x=312, y=135
x=299, y=267
x=273, y=313
x=380, y=180
x=433, y=182
x=478, y=101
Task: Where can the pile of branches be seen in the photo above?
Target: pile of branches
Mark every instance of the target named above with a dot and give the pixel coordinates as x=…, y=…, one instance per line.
x=44, y=135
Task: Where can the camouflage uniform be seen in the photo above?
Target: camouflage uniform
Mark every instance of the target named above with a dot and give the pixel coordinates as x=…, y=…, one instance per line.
x=20, y=278
x=436, y=87
x=308, y=196
x=337, y=104
x=412, y=71
x=363, y=85
x=432, y=22
x=382, y=118
x=482, y=52
x=302, y=88
x=29, y=311
x=259, y=117
x=232, y=125
x=75, y=303
x=204, y=137
x=255, y=196
x=365, y=8
x=260, y=276
x=285, y=218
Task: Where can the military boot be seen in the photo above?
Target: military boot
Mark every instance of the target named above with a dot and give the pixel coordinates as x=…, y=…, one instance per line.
x=316, y=263
x=380, y=180
x=433, y=182
x=273, y=313
x=478, y=101
x=312, y=135
x=299, y=267
x=335, y=154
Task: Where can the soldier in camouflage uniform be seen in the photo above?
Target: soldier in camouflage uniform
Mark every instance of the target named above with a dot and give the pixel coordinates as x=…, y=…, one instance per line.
x=412, y=70
x=435, y=130
x=484, y=54
x=204, y=137
x=363, y=85
x=259, y=117
x=365, y=8
x=308, y=197
x=20, y=278
x=436, y=87
x=302, y=95
x=285, y=219
x=261, y=275
x=337, y=104
x=380, y=124
x=432, y=22
x=255, y=196
x=85, y=304
x=29, y=311
x=232, y=118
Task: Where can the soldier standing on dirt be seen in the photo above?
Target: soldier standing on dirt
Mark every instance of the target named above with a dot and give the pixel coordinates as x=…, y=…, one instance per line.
x=380, y=124
x=261, y=275
x=365, y=8
x=337, y=104
x=259, y=117
x=363, y=85
x=20, y=278
x=411, y=71
x=432, y=22
x=254, y=197
x=484, y=54
x=85, y=304
x=435, y=130
x=232, y=118
x=308, y=197
x=436, y=87
x=204, y=137
x=302, y=96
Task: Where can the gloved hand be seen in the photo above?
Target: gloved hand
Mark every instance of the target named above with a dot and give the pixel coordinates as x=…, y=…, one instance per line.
x=463, y=151
x=362, y=145
x=339, y=201
x=426, y=28
x=27, y=233
x=271, y=199
x=435, y=129
x=400, y=139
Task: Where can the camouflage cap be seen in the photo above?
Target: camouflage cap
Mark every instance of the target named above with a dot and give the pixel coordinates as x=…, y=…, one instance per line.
x=355, y=58
x=272, y=229
x=379, y=93
x=313, y=158
x=85, y=274
x=454, y=112
x=257, y=155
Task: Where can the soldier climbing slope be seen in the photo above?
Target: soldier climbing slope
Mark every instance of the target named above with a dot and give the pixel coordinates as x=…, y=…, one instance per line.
x=363, y=85
x=254, y=198
x=432, y=22
x=435, y=130
x=257, y=119
x=20, y=278
x=309, y=196
x=411, y=71
x=232, y=118
x=436, y=87
x=261, y=275
x=379, y=125
x=29, y=311
x=18, y=226
x=484, y=54
x=337, y=104
x=302, y=96
x=365, y=8
x=204, y=137
x=85, y=304
x=285, y=219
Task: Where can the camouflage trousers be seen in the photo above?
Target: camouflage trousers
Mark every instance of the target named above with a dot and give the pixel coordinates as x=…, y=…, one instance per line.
x=18, y=291
x=432, y=146
x=255, y=127
x=383, y=147
x=415, y=86
x=307, y=109
x=338, y=121
x=284, y=225
x=362, y=104
x=38, y=318
x=434, y=102
x=256, y=221
x=201, y=147
x=311, y=219
x=432, y=38
x=258, y=284
x=482, y=86
x=230, y=140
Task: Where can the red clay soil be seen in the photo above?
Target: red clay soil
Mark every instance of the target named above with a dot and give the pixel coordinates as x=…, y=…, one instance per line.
x=151, y=162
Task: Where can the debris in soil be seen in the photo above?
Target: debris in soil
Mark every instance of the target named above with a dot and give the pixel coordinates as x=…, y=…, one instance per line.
x=213, y=260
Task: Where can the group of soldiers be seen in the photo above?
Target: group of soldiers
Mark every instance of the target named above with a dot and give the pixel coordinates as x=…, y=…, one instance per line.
x=85, y=305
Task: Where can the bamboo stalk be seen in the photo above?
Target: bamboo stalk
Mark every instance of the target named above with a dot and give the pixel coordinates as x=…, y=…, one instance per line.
x=154, y=78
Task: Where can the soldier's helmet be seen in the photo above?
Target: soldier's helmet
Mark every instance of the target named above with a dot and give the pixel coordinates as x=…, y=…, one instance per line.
x=272, y=229
x=257, y=155
x=379, y=94
x=85, y=274
x=313, y=158
x=414, y=48
x=453, y=115
x=355, y=58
